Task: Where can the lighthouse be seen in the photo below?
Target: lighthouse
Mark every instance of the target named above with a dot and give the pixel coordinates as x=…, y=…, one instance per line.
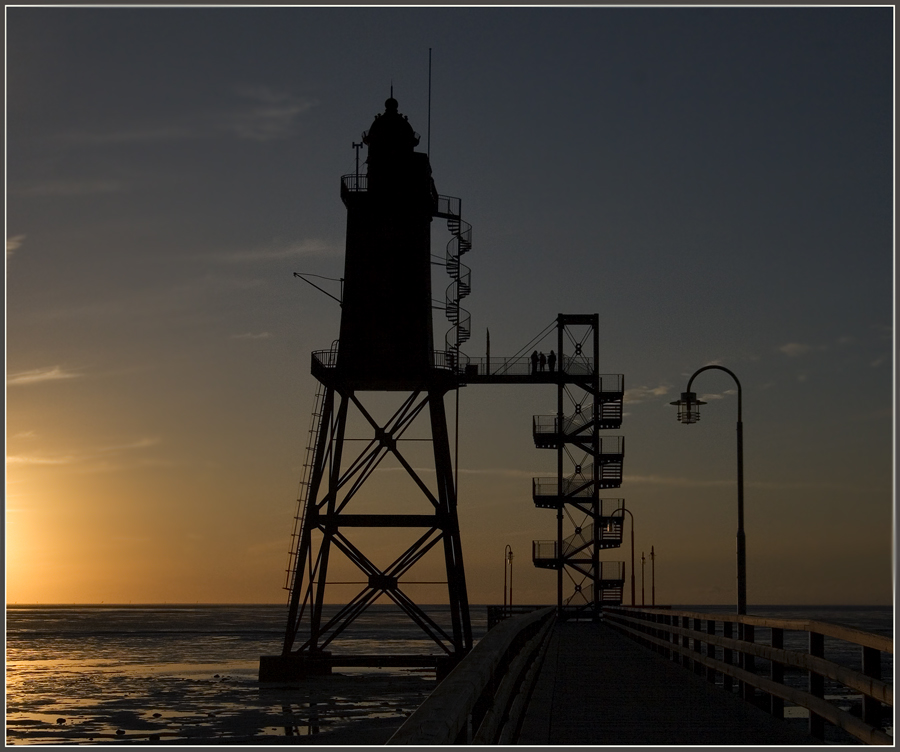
x=386, y=339
x=386, y=352
x=386, y=345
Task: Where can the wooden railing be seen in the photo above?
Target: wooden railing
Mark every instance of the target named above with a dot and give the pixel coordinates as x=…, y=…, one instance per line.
x=483, y=699
x=681, y=636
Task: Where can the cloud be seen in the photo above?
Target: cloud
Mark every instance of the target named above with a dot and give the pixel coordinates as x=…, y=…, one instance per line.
x=65, y=187
x=176, y=298
x=13, y=244
x=92, y=459
x=270, y=116
x=260, y=113
x=39, y=375
x=717, y=395
x=131, y=135
x=299, y=249
x=658, y=480
x=261, y=335
x=794, y=349
x=26, y=460
x=643, y=393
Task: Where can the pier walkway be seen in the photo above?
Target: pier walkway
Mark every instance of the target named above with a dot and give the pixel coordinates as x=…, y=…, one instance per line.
x=597, y=687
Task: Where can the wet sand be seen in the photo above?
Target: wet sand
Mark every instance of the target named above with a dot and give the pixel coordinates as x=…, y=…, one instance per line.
x=348, y=709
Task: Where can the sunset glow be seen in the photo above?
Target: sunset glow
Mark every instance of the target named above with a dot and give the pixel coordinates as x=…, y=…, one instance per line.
x=718, y=187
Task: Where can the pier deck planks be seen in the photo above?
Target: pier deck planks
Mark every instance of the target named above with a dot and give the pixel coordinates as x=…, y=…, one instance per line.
x=598, y=687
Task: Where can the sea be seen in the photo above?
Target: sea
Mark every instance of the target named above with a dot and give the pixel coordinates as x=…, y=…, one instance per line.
x=187, y=674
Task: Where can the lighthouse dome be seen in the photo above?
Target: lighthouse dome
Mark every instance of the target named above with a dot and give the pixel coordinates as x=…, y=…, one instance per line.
x=390, y=132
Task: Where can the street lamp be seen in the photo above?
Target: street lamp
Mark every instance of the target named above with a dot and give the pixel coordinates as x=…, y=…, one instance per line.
x=632, y=550
x=642, y=579
x=689, y=412
x=507, y=563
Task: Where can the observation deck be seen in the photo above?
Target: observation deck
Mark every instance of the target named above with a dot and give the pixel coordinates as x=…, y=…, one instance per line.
x=516, y=370
x=520, y=370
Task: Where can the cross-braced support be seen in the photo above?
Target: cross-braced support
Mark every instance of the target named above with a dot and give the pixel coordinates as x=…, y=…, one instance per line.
x=587, y=462
x=337, y=480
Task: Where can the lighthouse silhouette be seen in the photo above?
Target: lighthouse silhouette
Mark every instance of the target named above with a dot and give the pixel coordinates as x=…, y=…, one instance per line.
x=386, y=344
x=386, y=338
x=350, y=551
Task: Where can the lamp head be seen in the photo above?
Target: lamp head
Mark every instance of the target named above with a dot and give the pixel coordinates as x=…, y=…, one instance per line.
x=688, y=407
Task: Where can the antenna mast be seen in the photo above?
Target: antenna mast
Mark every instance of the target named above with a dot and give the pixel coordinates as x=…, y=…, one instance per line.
x=428, y=147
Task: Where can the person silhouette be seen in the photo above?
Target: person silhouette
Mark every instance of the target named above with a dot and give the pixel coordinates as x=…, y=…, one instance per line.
x=551, y=361
x=543, y=360
x=534, y=361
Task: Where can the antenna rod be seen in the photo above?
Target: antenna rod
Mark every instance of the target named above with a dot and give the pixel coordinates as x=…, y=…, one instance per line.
x=428, y=149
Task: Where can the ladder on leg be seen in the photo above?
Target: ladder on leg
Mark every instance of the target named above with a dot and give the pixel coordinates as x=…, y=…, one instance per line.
x=315, y=425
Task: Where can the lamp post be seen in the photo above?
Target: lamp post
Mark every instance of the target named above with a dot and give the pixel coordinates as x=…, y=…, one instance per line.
x=689, y=412
x=642, y=579
x=652, y=577
x=632, y=550
x=507, y=563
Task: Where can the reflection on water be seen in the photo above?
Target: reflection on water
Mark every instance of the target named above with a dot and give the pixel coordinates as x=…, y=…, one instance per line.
x=82, y=674
x=189, y=674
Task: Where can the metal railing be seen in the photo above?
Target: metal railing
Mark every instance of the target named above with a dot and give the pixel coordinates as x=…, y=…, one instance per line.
x=459, y=363
x=443, y=359
x=549, y=424
x=483, y=699
x=354, y=183
x=571, y=487
x=522, y=366
x=681, y=636
x=448, y=206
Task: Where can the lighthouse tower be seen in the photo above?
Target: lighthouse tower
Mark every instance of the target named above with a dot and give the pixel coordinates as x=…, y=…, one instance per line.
x=386, y=339
x=386, y=345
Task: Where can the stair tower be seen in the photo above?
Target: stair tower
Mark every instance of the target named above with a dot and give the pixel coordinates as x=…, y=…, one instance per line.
x=588, y=462
x=385, y=356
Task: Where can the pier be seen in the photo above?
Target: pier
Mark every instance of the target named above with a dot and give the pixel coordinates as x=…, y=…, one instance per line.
x=656, y=677
x=598, y=687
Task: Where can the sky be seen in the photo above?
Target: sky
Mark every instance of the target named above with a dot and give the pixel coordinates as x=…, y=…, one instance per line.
x=716, y=183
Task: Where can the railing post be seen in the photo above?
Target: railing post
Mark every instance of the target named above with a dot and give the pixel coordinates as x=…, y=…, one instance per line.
x=711, y=650
x=816, y=685
x=685, y=642
x=698, y=667
x=727, y=655
x=672, y=621
x=748, y=662
x=871, y=666
x=776, y=674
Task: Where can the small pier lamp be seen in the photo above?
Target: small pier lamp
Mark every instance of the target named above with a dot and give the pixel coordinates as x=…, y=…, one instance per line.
x=688, y=407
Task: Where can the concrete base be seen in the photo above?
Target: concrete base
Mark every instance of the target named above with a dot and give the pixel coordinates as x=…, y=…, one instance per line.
x=281, y=668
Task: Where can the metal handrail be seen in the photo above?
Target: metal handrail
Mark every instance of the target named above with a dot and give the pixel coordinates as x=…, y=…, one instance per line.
x=448, y=206
x=443, y=359
x=354, y=183
x=663, y=629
